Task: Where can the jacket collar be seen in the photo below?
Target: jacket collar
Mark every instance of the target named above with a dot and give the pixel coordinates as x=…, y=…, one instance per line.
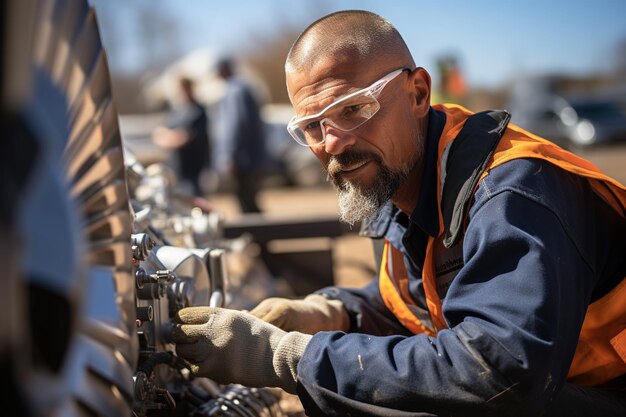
x=426, y=214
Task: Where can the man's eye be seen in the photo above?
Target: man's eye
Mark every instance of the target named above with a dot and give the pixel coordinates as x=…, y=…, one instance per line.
x=312, y=125
x=349, y=110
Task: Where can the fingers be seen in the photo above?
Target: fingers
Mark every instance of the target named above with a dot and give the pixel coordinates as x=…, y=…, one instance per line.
x=193, y=352
x=273, y=310
x=194, y=315
x=279, y=317
x=264, y=307
x=186, y=333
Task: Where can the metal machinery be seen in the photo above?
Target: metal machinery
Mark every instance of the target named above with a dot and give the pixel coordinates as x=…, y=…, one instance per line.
x=91, y=278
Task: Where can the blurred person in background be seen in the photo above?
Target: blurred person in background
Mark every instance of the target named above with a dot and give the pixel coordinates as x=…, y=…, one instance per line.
x=240, y=137
x=501, y=288
x=186, y=135
x=452, y=82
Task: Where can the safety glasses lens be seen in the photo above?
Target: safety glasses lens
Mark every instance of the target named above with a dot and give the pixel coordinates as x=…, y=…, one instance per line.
x=345, y=115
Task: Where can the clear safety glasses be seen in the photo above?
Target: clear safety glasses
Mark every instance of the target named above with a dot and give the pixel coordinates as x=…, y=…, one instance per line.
x=346, y=114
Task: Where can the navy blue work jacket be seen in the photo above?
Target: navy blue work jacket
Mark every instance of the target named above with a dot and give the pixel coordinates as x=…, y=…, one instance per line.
x=539, y=247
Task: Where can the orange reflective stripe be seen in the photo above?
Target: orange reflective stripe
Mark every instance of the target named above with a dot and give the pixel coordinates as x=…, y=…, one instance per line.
x=430, y=287
x=392, y=299
x=399, y=275
x=601, y=352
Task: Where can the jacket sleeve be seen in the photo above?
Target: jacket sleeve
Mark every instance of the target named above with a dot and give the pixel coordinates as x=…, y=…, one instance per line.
x=514, y=313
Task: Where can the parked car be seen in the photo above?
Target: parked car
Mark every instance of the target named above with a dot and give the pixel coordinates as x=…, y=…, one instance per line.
x=578, y=122
x=294, y=165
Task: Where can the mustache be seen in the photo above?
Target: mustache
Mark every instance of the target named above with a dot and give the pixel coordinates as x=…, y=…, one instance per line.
x=347, y=158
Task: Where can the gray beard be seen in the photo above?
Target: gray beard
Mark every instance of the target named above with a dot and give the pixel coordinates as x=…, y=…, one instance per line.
x=357, y=204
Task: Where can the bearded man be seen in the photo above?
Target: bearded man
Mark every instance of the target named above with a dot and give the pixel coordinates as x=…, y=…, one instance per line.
x=501, y=287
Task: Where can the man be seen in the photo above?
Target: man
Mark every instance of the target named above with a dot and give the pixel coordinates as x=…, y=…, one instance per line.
x=240, y=137
x=501, y=288
x=186, y=134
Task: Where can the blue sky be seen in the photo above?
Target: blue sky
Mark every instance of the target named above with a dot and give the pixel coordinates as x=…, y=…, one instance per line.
x=495, y=40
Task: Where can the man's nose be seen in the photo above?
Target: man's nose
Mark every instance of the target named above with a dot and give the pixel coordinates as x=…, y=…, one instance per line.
x=336, y=140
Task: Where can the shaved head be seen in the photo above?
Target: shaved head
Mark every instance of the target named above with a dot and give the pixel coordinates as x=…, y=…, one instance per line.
x=357, y=34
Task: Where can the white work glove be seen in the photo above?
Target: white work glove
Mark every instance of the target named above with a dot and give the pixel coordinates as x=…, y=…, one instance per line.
x=231, y=346
x=313, y=314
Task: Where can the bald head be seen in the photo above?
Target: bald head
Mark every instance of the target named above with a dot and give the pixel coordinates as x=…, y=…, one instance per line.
x=359, y=35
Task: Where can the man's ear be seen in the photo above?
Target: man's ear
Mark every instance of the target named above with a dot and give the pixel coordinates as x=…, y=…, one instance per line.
x=419, y=80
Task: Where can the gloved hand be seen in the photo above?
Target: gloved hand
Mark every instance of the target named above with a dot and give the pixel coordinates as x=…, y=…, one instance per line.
x=231, y=346
x=313, y=314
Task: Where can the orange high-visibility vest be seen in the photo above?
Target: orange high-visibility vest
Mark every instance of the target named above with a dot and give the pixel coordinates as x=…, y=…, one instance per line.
x=601, y=351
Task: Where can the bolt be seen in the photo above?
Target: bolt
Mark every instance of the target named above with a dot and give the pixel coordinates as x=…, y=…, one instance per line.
x=141, y=245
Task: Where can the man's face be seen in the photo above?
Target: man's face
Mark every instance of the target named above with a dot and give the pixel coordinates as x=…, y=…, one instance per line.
x=368, y=164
